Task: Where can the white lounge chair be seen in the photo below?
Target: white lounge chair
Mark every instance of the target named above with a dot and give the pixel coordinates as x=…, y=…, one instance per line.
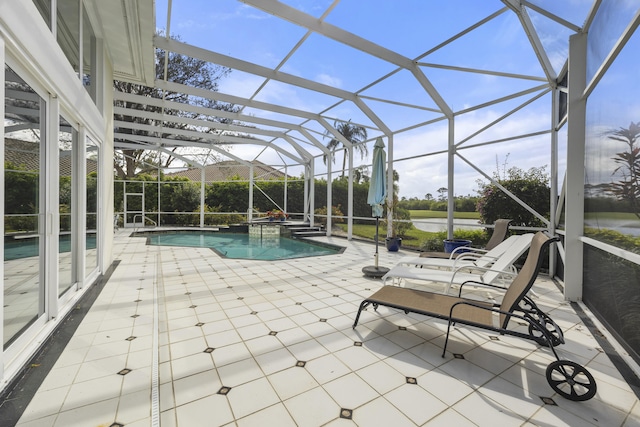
x=500, y=231
x=502, y=267
x=474, y=258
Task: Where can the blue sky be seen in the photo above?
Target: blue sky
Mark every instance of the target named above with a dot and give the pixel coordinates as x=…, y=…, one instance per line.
x=411, y=28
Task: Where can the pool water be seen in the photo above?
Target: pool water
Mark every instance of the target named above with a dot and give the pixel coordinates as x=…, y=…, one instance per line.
x=244, y=246
x=30, y=246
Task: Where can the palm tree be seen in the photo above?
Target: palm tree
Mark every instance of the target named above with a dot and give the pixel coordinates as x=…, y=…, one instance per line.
x=628, y=188
x=355, y=134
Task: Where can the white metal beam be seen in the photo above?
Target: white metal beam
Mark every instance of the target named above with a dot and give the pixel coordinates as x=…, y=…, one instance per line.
x=175, y=105
x=532, y=34
x=211, y=112
x=204, y=140
x=613, y=53
x=551, y=16
x=335, y=33
x=576, y=134
x=251, y=68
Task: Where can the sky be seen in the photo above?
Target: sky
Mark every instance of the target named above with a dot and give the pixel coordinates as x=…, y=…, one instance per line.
x=415, y=29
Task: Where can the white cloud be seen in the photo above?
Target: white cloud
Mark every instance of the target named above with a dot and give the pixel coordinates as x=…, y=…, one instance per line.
x=422, y=175
x=329, y=80
x=240, y=84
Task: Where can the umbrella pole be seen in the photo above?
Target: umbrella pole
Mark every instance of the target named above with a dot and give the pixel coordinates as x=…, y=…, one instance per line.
x=376, y=255
x=373, y=270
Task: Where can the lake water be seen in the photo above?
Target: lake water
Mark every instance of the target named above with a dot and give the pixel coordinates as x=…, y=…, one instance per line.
x=440, y=224
x=624, y=226
x=629, y=227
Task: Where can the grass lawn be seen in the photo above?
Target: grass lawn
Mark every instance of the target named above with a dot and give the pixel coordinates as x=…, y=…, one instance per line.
x=611, y=215
x=422, y=214
x=416, y=239
x=413, y=237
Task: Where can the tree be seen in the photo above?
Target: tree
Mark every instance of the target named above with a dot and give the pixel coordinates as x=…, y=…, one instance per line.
x=532, y=187
x=400, y=216
x=361, y=174
x=628, y=188
x=181, y=69
x=355, y=134
x=442, y=191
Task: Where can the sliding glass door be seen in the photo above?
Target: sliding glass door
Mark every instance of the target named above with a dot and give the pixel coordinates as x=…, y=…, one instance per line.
x=24, y=142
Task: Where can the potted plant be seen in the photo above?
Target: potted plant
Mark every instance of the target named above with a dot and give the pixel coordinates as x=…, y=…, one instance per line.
x=393, y=243
x=451, y=245
x=276, y=215
x=399, y=224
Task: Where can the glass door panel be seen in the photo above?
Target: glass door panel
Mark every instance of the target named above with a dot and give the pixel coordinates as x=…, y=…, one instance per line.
x=92, y=159
x=67, y=140
x=23, y=204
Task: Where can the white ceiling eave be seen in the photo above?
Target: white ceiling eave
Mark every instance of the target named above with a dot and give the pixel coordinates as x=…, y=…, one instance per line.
x=127, y=28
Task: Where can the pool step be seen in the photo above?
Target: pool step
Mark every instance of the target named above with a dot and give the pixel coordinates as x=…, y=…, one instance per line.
x=307, y=231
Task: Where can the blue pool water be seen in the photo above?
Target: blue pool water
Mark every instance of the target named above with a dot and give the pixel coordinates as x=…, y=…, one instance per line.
x=244, y=246
x=29, y=246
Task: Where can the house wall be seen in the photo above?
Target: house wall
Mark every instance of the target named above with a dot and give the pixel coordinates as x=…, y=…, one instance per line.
x=34, y=300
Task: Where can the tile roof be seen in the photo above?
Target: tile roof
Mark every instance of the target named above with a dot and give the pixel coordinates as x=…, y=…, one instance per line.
x=231, y=169
x=27, y=154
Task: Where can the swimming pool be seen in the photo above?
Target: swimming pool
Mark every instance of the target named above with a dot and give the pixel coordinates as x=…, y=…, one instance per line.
x=244, y=246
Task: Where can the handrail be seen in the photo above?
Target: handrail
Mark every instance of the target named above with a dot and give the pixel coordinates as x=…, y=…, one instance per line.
x=143, y=217
x=250, y=213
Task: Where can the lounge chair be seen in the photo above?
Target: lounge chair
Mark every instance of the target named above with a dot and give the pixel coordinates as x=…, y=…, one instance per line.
x=501, y=268
x=500, y=230
x=567, y=378
x=477, y=258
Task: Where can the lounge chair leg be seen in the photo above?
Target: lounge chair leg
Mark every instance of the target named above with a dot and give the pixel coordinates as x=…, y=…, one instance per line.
x=363, y=305
x=446, y=339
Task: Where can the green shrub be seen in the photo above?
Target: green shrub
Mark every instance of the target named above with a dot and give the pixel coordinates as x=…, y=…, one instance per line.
x=401, y=222
x=532, y=187
x=478, y=238
x=614, y=238
x=336, y=215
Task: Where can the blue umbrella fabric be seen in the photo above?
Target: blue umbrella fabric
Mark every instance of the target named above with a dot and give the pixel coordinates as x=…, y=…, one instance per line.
x=377, y=184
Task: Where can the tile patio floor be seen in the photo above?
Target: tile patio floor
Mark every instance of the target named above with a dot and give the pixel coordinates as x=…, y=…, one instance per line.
x=256, y=343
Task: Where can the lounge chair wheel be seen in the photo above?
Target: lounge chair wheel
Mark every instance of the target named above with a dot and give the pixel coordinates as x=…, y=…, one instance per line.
x=537, y=336
x=571, y=380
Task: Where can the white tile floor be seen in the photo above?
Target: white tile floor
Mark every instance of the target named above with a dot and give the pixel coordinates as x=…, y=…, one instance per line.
x=255, y=343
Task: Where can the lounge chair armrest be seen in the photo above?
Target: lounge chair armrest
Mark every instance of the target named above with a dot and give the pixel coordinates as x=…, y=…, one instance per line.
x=456, y=252
x=476, y=304
x=467, y=250
x=485, y=269
x=473, y=257
x=476, y=283
x=471, y=249
x=492, y=308
x=468, y=256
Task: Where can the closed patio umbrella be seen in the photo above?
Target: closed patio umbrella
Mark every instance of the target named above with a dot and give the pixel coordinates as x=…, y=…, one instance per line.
x=376, y=198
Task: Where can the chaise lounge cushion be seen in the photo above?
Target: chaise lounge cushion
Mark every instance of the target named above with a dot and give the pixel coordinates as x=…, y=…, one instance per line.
x=432, y=304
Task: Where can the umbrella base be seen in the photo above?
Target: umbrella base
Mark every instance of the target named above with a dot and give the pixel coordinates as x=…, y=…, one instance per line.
x=373, y=271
